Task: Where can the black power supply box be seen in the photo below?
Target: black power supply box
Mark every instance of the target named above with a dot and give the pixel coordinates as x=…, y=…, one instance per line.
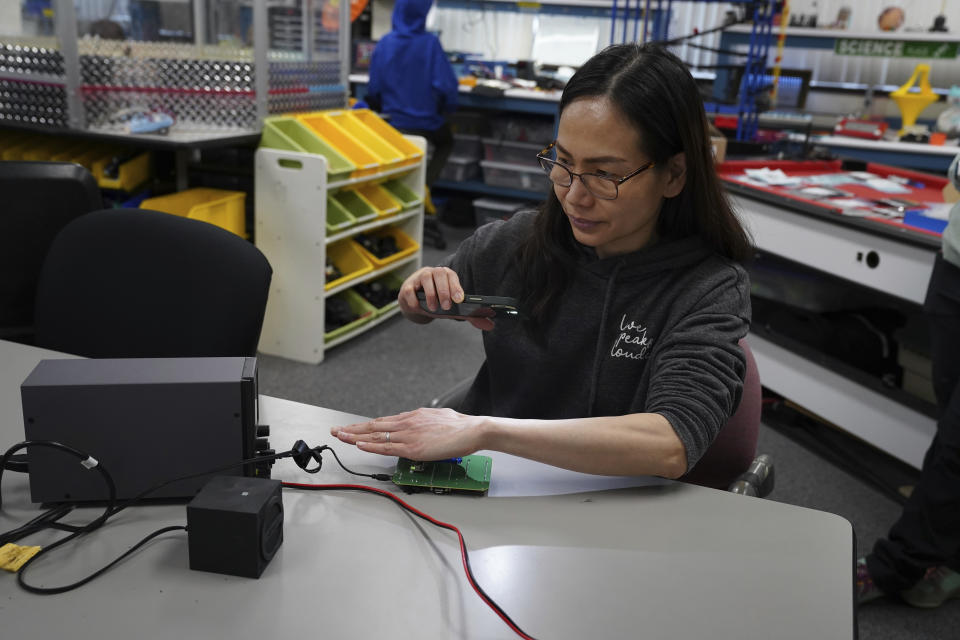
x=146, y=420
x=235, y=525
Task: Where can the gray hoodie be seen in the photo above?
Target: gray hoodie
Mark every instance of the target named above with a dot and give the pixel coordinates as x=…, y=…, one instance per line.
x=653, y=331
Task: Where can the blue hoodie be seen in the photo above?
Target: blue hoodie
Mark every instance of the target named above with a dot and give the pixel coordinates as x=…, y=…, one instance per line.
x=410, y=75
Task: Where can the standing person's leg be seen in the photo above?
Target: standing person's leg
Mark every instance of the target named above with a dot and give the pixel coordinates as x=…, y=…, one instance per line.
x=442, y=140
x=927, y=534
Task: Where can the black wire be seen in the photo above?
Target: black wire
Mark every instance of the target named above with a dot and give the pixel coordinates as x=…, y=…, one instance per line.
x=725, y=25
x=375, y=476
x=728, y=52
x=46, y=591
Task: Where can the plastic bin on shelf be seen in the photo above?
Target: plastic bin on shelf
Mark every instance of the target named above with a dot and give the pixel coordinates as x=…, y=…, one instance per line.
x=41, y=149
x=515, y=176
x=338, y=218
x=385, y=204
x=358, y=206
x=407, y=246
x=403, y=194
x=364, y=310
x=390, y=157
x=289, y=134
x=392, y=282
x=350, y=259
x=515, y=152
x=132, y=171
x=68, y=152
x=467, y=146
x=217, y=206
x=411, y=152
x=489, y=209
x=459, y=169
x=86, y=157
x=16, y=149
x=365, y=161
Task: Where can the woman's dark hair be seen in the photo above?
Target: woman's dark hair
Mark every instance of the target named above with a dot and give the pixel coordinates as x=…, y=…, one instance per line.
x=656, y=92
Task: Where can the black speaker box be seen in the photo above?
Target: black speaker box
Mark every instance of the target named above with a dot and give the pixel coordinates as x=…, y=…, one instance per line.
x=235, y=525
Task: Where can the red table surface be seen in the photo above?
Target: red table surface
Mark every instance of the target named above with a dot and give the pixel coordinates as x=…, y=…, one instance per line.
x=932, y=190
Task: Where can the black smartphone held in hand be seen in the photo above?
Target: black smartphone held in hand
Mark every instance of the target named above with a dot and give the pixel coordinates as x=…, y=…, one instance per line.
x=474, y=306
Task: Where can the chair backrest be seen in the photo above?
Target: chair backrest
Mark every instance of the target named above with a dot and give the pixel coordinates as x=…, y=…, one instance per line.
x=736, y=444
x=39, y=199
x=136, y=283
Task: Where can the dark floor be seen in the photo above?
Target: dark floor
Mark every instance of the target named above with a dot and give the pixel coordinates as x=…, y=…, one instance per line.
x=399, y=366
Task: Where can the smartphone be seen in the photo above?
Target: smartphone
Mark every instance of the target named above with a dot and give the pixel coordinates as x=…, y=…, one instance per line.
x=474, y=306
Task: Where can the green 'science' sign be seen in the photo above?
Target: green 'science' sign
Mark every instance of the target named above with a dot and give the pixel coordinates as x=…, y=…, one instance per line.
x=895, y=48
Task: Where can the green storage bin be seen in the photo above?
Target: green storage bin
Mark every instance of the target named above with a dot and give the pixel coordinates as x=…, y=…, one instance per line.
x=361, y=307
x=404, y=194
x=289, y=134
x=391, y=281
x=338, y=218
x=357, y=205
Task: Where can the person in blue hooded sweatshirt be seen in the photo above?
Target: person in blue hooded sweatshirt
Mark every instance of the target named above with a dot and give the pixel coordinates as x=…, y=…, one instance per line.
x=412, y=81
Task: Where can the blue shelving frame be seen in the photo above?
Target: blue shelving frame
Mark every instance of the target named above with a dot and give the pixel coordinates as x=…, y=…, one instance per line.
x=655, y=18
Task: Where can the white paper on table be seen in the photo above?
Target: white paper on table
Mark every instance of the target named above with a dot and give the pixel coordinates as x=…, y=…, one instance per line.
x=863, y=175
x=512, y=476
x=830, y=179
x=887, y=186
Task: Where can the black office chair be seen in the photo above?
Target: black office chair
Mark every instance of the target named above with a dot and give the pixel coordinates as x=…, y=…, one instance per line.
x=731, y=463
x=131, y=283
x=39, y=199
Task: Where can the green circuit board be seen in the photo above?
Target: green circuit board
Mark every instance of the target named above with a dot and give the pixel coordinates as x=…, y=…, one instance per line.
x=471, y=474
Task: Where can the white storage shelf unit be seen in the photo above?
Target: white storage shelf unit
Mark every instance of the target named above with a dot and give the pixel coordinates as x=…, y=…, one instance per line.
x=291, y=213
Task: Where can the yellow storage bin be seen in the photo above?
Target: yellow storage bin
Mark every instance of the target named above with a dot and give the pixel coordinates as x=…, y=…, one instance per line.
x=411, y=152
x=388, y=155
x=385, y=204
x=16, y=150
x=41, y=149
x=407, y=246
x=216, y=206
x=91, y=154
x=70, y=151
x=133, y=170
x=348, y=257
x=364, y=159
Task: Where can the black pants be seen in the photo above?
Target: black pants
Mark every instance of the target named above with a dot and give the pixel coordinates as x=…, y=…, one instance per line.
x=442, y=141
x=927, y=533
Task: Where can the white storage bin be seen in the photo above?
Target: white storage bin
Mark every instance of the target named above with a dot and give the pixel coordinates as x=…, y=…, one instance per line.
x=524, y=153
x=467, y=146
x=459, y=169
x=515, y=176
x=489, y=209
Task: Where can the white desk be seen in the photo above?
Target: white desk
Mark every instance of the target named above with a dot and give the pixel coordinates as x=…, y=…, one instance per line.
x=667, y=561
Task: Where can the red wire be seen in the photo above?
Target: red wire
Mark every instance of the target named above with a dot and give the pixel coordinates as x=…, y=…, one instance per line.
x=432, y=520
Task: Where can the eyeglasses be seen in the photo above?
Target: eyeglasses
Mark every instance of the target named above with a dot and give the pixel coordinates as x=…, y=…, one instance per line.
x=605, y=187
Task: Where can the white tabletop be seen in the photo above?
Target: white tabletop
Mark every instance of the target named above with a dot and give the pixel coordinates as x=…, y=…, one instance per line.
x=662, y=560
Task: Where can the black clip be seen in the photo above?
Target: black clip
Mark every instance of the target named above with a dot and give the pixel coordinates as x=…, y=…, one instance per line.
x=302, y=454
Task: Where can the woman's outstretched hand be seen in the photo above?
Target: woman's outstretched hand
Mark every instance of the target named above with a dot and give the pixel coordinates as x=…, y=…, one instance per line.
x=422, y=434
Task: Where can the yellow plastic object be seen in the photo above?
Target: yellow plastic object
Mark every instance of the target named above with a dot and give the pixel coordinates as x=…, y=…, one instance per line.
x=41, y=149
x=364, y=159
x=912, y=103
x=216, y=206
x=407, y=246
x=411, y=152
x=86, y=157
x=385, y=204
x=129, y=175
x=70, y=151
x=389, y=156
x=348, y=257
x=16, y=150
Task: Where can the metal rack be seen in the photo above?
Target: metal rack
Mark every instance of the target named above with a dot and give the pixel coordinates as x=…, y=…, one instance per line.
x=655, y=20
x=88, y=83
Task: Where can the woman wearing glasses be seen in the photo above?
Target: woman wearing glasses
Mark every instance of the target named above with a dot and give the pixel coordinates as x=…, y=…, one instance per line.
x=626, y=359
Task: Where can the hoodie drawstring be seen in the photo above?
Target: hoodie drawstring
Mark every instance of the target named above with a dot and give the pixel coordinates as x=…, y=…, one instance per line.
x=603, y=323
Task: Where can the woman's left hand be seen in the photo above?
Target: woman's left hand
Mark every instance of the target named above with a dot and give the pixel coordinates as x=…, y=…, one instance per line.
x=422, y=434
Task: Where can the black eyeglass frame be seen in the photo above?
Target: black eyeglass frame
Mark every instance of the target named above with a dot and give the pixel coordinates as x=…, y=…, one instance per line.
x=541, y=158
